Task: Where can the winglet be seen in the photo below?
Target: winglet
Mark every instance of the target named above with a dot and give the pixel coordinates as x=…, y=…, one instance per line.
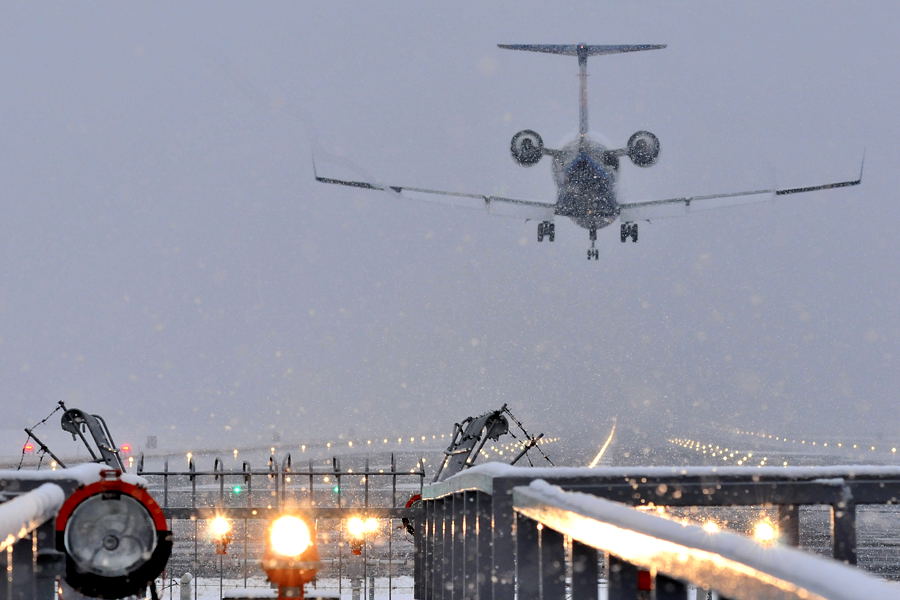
x=862, y=164
x=313, y=159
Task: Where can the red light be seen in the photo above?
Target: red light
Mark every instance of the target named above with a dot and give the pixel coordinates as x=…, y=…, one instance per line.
x=29, y=447
x=126, y=448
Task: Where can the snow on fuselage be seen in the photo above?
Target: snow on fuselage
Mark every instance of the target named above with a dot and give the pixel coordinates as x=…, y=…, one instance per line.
x=585, y=176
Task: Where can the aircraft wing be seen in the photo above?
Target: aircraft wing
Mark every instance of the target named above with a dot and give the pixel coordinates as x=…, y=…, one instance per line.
x=496, y=205
x=679, y=207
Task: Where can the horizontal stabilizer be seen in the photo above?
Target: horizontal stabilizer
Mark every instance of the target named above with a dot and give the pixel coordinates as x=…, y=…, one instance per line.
x=582, y=50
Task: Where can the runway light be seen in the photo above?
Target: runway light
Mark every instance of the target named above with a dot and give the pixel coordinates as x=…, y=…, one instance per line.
x=28, y=448
x=359, y=527
x=711, y=527
x=289, y=536
x=219, y=526
x=236, y=489
x=126, y=448
x=765, y=532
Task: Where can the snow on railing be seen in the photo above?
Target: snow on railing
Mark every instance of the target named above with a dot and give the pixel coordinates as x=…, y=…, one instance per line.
x=26, y=512
x=730, y=563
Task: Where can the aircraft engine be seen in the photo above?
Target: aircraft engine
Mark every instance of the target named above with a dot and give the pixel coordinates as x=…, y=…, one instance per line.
x=527, y=147
x=643, y=148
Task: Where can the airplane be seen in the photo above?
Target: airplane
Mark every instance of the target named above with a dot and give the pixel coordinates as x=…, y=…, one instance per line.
x=586, y=172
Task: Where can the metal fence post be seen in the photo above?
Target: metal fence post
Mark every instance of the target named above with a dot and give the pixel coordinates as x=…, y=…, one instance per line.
x=553, y=565
x=49, y=562
x=527, y=559
x=22, y=570
x=470, y=546
x=585, y=572
x=437, y=581
x=670, y=589
x=419, y=524
x=843, y=532
x=485, y=534
x=458, y=549
x=504, y=547
x=789, y=524
x=428, y=575
x=622, y=579
x=447, y=552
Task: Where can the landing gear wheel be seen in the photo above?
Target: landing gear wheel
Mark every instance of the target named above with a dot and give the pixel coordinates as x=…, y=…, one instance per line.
x=546, y=228
x=593, y=254
x=634, y=233
x=628, y=230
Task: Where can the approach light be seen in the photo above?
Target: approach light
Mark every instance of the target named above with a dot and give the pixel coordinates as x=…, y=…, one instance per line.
x=219, y=526
x=289, y=536
x=220, y=531
x=28, y=448
x=291, y=558
x=359, y=527
x=711, y=527
x=765, y=532
x=125, y=448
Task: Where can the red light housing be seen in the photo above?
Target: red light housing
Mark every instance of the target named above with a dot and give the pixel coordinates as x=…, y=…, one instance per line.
x=28, y=448
x=126, y=448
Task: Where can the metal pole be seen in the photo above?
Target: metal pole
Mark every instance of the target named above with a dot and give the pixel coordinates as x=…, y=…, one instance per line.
x=622, y=579
x=437, y=581
x=585, y=571
x=553, y=565
x=843, y=532
x=485, y=537
x=470, y=545
x=789, y=524
x=527, y=559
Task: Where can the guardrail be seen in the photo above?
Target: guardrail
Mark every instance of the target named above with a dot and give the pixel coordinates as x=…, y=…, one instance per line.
x=471, y=543
x=732, y=564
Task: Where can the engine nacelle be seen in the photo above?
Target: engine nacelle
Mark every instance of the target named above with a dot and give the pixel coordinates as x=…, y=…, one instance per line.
x=643, y=148
x=527, y=147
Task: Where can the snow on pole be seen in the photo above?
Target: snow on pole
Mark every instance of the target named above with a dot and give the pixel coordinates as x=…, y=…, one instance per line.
x=23, y=514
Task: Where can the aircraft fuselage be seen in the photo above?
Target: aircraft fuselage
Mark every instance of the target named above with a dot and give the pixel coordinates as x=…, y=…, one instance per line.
x=585, y=175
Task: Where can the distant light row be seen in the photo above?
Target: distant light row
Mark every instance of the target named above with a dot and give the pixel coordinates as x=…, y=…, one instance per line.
x=805, y=442
x=739, y=457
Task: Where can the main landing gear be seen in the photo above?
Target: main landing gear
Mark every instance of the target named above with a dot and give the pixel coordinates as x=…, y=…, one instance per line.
x=592, y=252
x=629, y=230
x=546, y=228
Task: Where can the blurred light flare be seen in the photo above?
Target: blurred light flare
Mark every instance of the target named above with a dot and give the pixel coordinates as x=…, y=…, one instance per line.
x=289, y=536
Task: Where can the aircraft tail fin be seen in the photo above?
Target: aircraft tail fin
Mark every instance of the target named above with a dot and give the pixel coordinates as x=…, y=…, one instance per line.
x=582, y=51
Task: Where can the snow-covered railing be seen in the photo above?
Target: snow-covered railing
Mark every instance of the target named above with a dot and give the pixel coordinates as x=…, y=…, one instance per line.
x=26, y=512
x=468, y=544
x=732, y=564
x=29, y=503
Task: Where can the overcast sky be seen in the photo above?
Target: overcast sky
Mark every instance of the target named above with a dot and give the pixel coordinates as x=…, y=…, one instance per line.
x=167, y=259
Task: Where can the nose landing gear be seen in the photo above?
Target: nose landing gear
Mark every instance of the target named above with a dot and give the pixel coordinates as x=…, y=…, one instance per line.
x=546, y=228
x=592, y=252
x=629, y=230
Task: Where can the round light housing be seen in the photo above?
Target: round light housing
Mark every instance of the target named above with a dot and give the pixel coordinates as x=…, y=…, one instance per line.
x=110, y=538
x=114, y=536
x=289, y=536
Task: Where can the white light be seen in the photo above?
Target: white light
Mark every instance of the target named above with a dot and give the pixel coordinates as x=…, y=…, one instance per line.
x=765, y=532
x=289, y=536
x=359, y=527
x=711, y=527
x=219, y=527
